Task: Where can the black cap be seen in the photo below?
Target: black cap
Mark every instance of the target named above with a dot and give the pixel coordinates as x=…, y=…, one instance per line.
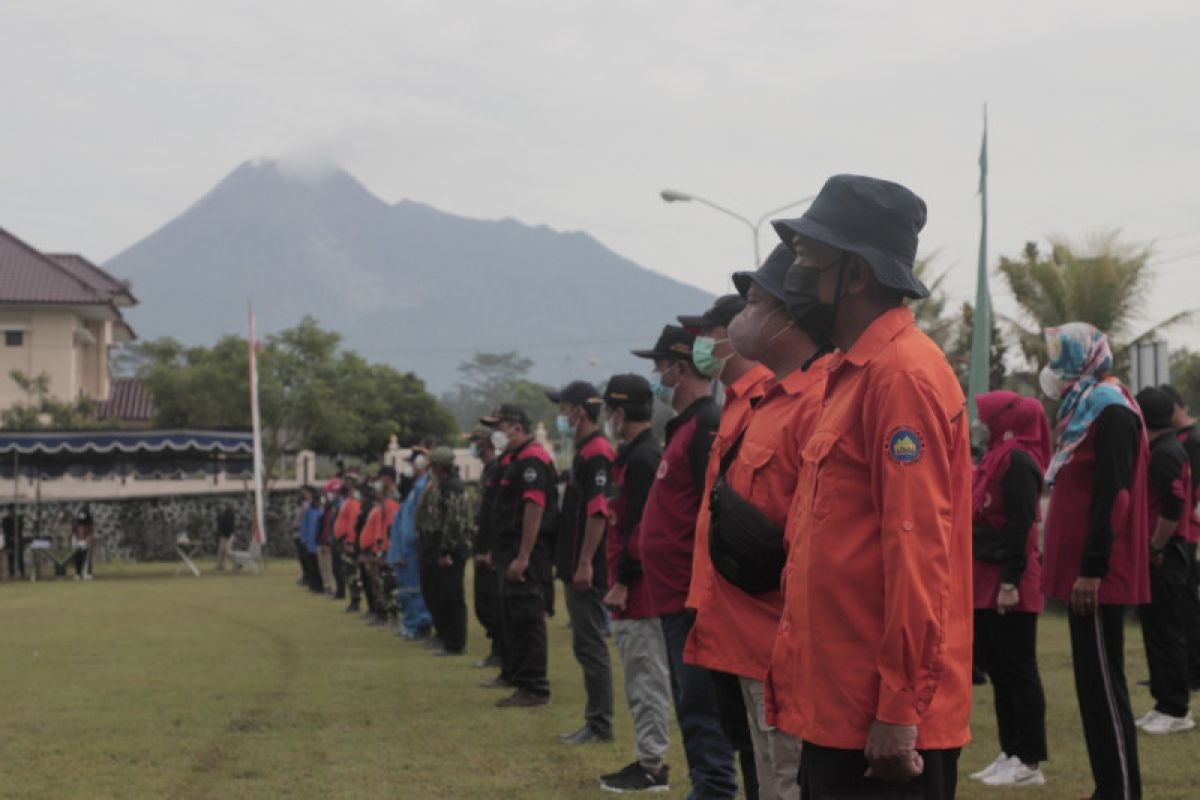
x=627, y=389
x=723, y=310
x=508, y=412
x=673, y=342
x=577, y=393
x=386, y=471
x=480, y=434
x=770, y=275
x=1157, y=408
x=1173, y=393
x=876, y=219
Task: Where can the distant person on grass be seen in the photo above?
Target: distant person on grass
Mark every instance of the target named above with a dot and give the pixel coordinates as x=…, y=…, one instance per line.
x=1006, y=492
x=226, y=522
x=1164, y=621
x=404, y=555
x=83, y=537
x=443, y=523
x=1097, y=545
x=486, y=584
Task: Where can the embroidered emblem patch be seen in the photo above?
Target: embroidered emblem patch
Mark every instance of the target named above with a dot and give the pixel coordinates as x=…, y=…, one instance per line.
x=905, y=446
x=530, y=475
x=601, y=479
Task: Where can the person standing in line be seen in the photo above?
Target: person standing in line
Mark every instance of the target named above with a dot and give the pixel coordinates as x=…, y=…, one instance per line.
x=346, y=544
x=638, y=634
x=744, y=383
x=325, y=537
x=1164, y=621
x=1006, y=493
x=373, y=543
x=13, y=546
x=310, y=531
x=524, y=522
x=416, y=623
x=581, y=538
x=752, y=473
x=443, y=522
x=871, y=666
x=226, y=523
x=1097, y=542
x=1189, y=436
x=486, y=584
x=667, y=539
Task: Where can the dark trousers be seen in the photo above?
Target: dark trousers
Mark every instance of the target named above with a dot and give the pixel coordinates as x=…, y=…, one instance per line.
x=339, y=570
x=487, y=604
x=427, y=561
x=709, y=756
x=830, y=773
x=523, y=621
x=1008, y=644
x=1191, y=612
x=736, y=724
x=588, y=624
x=449, y=608
x=1163, y=630
x=312, y=570
x=1098, y=657
x=368, y=586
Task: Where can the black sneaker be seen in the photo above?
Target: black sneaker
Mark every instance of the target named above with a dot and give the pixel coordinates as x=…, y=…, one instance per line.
x=497, y=683
x=585, y=735
x=636, y=778
x=523, y=698
x=352, y=608
x=485, y=663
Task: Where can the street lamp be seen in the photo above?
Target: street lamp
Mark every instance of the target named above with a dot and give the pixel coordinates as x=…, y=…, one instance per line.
x=676, y=196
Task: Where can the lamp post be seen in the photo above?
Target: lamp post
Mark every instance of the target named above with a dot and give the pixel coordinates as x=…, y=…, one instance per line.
x=675, y=196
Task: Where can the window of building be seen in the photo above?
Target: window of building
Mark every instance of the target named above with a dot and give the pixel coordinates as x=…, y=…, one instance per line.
x=14, y=338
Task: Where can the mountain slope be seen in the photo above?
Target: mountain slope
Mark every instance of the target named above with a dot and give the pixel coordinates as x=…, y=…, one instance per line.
x=404, y=283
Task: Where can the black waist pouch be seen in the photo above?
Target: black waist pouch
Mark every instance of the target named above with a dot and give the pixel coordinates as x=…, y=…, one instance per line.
x=743, y=545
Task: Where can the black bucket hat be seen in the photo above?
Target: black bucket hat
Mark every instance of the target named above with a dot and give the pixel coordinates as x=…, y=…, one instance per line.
x=876, y=219
x=770, y=275
x=723, y=310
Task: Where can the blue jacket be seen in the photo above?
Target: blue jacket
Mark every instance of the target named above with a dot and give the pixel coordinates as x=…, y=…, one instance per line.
x=310, y=527
x=403, y=524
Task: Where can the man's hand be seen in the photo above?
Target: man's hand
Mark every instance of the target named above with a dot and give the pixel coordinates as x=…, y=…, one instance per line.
x=1007, y=599
x=483, y=559
x=583, y=578
x=616, y=598
x=445, y=562
x=1085, y=596
x=516, y=570
x=891, y=753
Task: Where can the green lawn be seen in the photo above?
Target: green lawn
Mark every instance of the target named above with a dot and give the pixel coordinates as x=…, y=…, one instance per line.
x=140, y=684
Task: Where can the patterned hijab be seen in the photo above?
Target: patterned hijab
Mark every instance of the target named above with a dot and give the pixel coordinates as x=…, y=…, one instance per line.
x=1080, y=359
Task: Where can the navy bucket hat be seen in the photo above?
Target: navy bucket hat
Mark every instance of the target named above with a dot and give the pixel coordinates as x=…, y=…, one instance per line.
x=876, y=219
x=770, y=275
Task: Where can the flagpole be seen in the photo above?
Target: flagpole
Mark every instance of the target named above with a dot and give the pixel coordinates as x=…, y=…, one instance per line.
x=981, y=332
x=259, y=527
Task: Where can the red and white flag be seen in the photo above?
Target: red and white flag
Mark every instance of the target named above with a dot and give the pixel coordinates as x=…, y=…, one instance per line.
x=259, y=524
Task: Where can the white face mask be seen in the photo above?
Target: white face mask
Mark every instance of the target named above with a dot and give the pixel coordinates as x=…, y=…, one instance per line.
x=1052, y=385
x=500, y=441
x=420, y=462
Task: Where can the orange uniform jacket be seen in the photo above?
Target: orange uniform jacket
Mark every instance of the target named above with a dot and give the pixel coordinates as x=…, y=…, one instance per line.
x=734, y=415
x=734, y=631
x=343, y=526
x=374, y=536
x=877, y=616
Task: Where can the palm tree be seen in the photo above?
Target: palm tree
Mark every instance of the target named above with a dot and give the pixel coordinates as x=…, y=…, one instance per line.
x=1104, y=282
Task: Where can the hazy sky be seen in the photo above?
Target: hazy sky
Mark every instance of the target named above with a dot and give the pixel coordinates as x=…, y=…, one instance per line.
x=117, y=114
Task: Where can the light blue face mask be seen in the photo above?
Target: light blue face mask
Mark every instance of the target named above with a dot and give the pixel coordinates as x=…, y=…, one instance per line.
x=473, y=450
x=664, y=393
x=710, y=366
x=565, y=428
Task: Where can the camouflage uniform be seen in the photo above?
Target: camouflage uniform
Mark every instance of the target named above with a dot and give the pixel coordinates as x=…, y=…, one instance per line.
x=443, y=522
x=350, y=563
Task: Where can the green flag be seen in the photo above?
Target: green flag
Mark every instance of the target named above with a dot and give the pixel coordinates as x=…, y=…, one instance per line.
x=981, y=333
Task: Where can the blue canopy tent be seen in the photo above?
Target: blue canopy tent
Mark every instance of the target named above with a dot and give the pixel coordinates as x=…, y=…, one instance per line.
x=143, y=454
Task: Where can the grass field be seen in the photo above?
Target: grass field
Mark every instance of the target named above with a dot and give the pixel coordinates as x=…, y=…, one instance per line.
x=140, y=684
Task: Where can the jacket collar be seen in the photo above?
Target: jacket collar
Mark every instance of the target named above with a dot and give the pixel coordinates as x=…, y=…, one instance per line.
x=886, y=327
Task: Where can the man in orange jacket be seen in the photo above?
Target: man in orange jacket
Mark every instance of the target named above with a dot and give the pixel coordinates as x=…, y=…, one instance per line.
x=872, y=660
x=373, y=540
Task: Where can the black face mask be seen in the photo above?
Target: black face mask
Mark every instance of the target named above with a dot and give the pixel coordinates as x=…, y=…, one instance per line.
x=806, y=310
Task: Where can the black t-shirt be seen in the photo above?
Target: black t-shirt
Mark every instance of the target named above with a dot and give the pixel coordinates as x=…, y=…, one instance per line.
x=1117, y=433
x=585, y=496
x=635, y=468
x=1022, y=490
x=1167, y=461
x=1189, y=437
x=528, y=477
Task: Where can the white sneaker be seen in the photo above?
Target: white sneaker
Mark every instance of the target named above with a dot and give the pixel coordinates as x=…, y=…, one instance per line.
x=1001, y=761
x=1016, y=774
x=1144, y=718
x=1165, y=723
x=87, y=577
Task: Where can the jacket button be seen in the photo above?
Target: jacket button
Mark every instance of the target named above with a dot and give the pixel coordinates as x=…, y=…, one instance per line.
x=907, y=526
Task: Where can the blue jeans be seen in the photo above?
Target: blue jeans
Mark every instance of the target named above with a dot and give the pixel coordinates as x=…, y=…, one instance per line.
x=415, y=615
x=709, y=756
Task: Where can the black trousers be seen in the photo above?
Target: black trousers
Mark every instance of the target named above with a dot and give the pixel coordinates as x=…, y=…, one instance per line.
x=830, y=773
x=312, y=570
x=427, y=563
x=1098, y=657
x=1008, y=645
x=339, y=571
x=1163, y=630
x=523, y=622
x=1191, y=612
x=449, y=603
x=588, y=623
x=487, y=604
x=731, y=703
